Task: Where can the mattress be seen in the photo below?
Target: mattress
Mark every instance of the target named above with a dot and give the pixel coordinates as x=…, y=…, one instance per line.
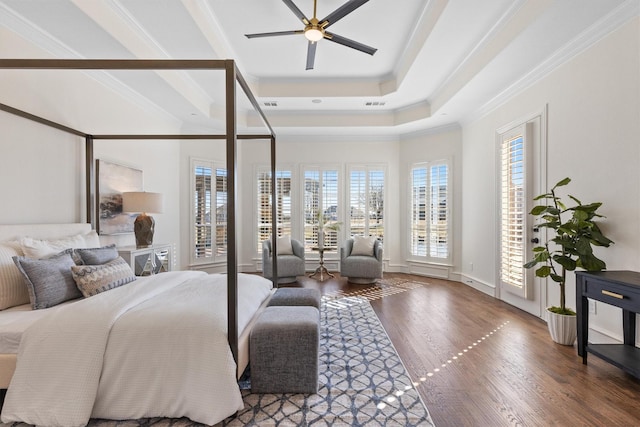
x=15, y=320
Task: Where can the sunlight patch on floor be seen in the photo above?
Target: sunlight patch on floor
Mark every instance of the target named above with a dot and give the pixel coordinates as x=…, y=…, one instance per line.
x=461, y=353
x=381, y=289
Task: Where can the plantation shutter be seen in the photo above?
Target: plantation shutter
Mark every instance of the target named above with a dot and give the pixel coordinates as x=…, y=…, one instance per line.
x=366, y=201
x=439, y=212
x=202, y=248
x=283, y=204
x=514, y=211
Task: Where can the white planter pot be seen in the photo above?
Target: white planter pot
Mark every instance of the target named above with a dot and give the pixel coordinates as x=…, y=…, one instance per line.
x=562, y=328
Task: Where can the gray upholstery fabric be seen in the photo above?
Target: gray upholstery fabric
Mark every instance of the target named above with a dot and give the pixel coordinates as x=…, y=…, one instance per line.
x=361, y=268
x=49, y=280
x=283, y=348
x=98, y=256
x=289, y=266
x=296, y=296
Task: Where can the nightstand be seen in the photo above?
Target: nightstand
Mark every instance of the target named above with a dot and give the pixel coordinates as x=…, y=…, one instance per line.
x=150, y=260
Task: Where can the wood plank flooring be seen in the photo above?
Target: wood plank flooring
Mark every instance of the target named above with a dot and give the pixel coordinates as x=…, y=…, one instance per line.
x=477, y=361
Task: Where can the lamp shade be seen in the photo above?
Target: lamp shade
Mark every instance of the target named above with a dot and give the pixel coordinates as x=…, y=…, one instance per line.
x=142, y=201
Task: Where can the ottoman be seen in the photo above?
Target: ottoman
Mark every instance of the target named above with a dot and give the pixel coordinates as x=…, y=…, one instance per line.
x=283, y=350
x=296, y=296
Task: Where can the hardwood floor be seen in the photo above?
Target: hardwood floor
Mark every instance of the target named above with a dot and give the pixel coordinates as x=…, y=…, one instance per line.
x=477, y=361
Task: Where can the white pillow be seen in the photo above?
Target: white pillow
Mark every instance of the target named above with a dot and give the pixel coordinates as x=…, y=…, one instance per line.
x=13, y=289
x=37, y=248
x=363, y=245
x=284, y=245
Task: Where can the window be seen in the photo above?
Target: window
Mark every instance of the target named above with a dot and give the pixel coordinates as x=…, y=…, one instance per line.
x=366, y=201
x=513, y=210
x=283, y=203
x=209, y=238
x=430, y=225
x=320, y=201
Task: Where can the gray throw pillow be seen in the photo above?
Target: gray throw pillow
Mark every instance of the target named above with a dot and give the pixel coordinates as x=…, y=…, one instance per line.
x=94, y=279
x=97, y=256
x=49, y=281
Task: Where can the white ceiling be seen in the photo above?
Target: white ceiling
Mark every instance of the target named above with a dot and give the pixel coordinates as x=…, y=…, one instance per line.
x=438, y=63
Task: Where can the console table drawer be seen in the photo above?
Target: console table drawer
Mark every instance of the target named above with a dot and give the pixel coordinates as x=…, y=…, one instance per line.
x=611, y=293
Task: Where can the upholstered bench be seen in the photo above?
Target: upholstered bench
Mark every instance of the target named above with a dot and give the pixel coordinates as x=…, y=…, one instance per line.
x=283, y=350
x=296, y=296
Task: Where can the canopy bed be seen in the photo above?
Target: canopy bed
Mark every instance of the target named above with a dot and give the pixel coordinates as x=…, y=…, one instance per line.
x=245, y=293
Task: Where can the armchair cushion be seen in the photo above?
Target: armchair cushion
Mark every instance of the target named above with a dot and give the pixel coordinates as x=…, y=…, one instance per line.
x=284, y=245
x=363, y=245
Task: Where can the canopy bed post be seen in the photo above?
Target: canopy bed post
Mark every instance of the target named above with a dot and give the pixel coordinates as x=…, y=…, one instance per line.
x=232, y=75
x=89, y=180
x=274, y=214
x=232, y=268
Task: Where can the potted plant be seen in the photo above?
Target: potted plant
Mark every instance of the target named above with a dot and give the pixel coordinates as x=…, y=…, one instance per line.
x=575, y=232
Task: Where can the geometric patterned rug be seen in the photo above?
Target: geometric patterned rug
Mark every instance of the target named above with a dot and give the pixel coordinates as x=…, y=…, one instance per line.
x=362, y=380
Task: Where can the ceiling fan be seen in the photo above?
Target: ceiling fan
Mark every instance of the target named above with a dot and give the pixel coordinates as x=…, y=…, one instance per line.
x=315, y=30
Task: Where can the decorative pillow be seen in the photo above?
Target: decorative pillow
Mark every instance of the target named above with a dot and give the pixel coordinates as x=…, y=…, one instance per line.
x=94, y=279
x=49, y=281
x=37, y=248
x=96, y=256
x=363, y=245
x=284, y=245
x=91, y=239
x=13, y=290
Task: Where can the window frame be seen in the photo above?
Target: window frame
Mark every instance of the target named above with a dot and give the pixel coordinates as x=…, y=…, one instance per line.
x=427, y=168
x=216, y=256
x=263, y=169
x=368, y=169
x=524, y=131
x=309, y=218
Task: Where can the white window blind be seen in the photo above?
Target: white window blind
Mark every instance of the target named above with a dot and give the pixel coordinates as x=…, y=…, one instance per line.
x=209, y=238
x=430, y=225
x=283, y=205
x=366, y=201
x=320, y=199
x=513, y=213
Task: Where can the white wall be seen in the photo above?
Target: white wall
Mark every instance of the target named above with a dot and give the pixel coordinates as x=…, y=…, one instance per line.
x=42, y=169
x=593, y=129
x=429, y=147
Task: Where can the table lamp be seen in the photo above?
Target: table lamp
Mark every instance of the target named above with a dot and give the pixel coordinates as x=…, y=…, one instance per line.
x=143, y=203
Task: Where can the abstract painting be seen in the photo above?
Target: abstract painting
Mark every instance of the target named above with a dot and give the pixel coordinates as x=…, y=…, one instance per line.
x=113, y=180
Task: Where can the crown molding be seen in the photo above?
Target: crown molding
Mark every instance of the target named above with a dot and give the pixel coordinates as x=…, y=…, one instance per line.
x=598, y=31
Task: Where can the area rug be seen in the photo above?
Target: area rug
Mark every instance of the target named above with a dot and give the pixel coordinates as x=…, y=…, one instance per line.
x=362, y=381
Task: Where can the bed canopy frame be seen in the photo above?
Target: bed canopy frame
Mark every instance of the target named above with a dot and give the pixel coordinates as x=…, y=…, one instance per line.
x=232, y=76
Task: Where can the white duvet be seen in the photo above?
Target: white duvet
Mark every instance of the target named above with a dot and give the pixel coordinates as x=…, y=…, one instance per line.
x=156, y=347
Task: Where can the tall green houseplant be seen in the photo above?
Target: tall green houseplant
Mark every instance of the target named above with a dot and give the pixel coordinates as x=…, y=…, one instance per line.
x=575, y=232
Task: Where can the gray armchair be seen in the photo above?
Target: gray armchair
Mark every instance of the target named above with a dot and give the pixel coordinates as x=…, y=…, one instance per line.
x=361, y=269
x=289, y=266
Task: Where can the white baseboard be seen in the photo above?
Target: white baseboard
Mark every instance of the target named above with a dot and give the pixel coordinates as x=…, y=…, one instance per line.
x=479, y=285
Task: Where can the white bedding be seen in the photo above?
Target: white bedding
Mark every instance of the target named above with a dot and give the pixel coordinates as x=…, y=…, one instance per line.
x=15, y=320
x=155, y=347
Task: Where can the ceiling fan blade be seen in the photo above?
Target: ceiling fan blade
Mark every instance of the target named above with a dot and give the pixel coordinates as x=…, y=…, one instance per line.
x=350, y=43
x=311, y=54
x=277, y=33
x=341, y=12
x=296, y=11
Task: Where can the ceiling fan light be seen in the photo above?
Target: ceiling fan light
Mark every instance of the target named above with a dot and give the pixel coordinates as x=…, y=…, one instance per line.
x=313, y=34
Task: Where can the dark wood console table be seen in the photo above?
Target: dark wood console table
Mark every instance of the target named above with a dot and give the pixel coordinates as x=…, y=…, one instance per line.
x=620, y=289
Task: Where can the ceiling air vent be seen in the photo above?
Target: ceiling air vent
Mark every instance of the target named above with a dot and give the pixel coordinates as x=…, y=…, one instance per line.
x=374, y=103
x=271, y=104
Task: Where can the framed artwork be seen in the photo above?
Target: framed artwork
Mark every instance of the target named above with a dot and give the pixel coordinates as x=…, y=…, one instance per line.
x=113, y=180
